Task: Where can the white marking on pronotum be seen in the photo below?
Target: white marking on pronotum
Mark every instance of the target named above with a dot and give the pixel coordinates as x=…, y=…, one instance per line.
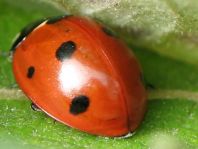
x=20, y=42
x=17, y=36
x=40, y=25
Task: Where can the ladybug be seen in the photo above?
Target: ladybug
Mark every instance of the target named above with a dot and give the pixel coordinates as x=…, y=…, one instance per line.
x=80, y=74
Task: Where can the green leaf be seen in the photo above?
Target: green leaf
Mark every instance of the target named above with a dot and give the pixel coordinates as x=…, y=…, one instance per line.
x=161, y=34
x=168, y=27
x=35, y=129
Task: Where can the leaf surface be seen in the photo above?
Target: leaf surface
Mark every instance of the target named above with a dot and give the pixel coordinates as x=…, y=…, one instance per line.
x=161, y=34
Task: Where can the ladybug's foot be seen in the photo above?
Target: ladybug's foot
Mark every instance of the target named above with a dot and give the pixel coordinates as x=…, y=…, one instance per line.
x=54, y=121
x=35, y=107
x=150, y=86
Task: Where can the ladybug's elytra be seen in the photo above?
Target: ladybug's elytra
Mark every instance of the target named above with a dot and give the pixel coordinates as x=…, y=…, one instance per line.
x=77, y=72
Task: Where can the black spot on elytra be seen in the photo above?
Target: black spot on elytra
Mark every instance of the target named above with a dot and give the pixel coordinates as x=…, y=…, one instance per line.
x=25, y=32
x=35, y=107
x=30, y=72
x=79, y=104
x=53, y=20
x=108, y=32
x=65, y=50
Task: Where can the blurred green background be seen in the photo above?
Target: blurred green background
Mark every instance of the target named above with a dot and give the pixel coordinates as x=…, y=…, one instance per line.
x=168, y=59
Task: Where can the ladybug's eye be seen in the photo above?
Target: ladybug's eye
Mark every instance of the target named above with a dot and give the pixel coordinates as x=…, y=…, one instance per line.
x=65, y=50
x=79, y=104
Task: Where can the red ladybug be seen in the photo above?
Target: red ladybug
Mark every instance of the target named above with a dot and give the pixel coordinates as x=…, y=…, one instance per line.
x=77, y=72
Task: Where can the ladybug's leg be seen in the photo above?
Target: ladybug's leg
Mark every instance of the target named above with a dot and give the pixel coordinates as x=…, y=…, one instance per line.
x=150, y=86
x=147, y=84
x=54, y=121
x=35, y=107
